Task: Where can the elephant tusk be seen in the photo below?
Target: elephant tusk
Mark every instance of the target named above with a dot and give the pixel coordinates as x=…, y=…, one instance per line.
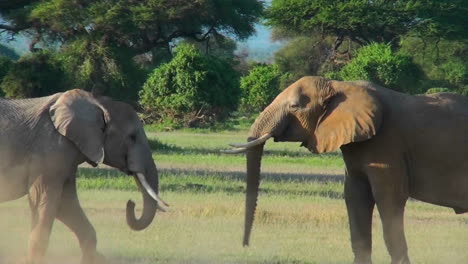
x=150, y=191
x=234, y=151
x=252, y=143
x=160, y=208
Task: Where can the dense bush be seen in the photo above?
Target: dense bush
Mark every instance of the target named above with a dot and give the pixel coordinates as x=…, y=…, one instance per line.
x=34, y=75
x=192, y=89
x=443, y=62
x=5, y=65
x=259, y=87
x=379, y=64
x=102, y=69
x=8, y=52
x=301, y=56
x=438, y=90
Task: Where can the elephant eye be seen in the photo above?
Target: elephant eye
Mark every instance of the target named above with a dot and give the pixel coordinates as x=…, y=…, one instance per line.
x=133, y=137
x=294, y=106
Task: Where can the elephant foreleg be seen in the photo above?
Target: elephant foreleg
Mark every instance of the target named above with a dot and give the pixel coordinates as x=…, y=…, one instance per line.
x=360, y=205
x=72, y=215
x=44, y=201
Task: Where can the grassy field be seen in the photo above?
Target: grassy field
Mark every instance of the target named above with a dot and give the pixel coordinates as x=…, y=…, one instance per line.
x=301, y=215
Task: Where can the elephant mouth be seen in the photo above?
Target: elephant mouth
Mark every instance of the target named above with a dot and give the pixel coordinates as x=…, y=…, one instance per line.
x=126, y=171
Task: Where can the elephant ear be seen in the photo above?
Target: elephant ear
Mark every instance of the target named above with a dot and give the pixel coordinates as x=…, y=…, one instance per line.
x=352, y=114
x=78, y=116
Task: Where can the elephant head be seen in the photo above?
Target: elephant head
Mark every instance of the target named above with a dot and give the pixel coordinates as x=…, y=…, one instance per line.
x=110, y=132
x=320, y=113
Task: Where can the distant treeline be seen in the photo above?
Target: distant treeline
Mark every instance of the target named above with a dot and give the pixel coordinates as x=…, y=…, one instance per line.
x=176, y=61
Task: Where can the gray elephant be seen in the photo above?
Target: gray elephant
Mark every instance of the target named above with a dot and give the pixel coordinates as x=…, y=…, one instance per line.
x=42, y=142
x=394, y=145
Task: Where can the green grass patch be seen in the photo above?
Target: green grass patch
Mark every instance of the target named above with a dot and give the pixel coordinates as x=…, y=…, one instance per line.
x=236, y=122
x=301, y=215
x=203, y=227
x=202, y=151
x=105, y=179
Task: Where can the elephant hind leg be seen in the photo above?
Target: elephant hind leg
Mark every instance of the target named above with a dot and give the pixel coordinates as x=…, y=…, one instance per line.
x=44, y=201
x=71, y=214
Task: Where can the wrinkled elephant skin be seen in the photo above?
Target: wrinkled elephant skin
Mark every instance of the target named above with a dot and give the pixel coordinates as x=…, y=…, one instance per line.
x=42, y=142
x=394, y=145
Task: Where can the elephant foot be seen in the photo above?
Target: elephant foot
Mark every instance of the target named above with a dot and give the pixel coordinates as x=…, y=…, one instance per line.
x=404, y=261
x=96, y=258
x=23, y=260
x=366, y=260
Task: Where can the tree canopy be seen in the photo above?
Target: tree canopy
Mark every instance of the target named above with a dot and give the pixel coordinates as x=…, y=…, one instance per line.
x=136, y=25
x=94, y=32
x=34, y=75
x=364, y=21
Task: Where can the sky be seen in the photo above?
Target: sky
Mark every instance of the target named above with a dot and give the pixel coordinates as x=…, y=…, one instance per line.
x=260, y=46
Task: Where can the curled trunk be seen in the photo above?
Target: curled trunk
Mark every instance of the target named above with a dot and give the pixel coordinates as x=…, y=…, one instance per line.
x=149, y=204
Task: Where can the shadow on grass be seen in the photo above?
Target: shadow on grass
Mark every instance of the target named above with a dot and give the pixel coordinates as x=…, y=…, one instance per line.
x=205, y=188
x=267, y=176
x=223, y=175
x=203, y=181
x=145, y=260
x=164, y=148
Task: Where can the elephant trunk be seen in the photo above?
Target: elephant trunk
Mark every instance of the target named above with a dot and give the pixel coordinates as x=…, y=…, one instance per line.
x=149, y=203
x=270, y=121
x=254, y=159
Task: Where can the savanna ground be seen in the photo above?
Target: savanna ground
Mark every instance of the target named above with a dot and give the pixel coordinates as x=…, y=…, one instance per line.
x=301, y=216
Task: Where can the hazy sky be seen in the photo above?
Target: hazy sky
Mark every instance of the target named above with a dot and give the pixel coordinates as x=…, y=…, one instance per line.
x=260, y=46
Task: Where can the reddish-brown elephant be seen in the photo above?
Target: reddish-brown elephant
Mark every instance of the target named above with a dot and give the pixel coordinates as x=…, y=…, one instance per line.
x=394, y=145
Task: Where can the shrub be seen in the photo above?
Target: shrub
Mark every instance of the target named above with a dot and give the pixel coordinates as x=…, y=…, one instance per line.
x=259, y=87
x=102, y=69
x=8, y=52
x=442, y=61
x=5, y=65
x=34, y=75
x=454, y=71
x=192, y=89
x=438, y=90
x=377, y=63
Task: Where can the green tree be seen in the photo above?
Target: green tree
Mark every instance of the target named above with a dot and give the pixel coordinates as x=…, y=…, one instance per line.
x=438, y=90
x=443, y=62
x=191, y=89
x=95, y=32
x=364, y=21
x=379, y=64
x=260, y=87
x=5, y=65
x=35, y=75
x=301, y=56
x=8, y=52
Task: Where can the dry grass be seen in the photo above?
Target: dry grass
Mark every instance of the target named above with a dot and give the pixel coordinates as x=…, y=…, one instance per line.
x=207, y=228
x=301, y=215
